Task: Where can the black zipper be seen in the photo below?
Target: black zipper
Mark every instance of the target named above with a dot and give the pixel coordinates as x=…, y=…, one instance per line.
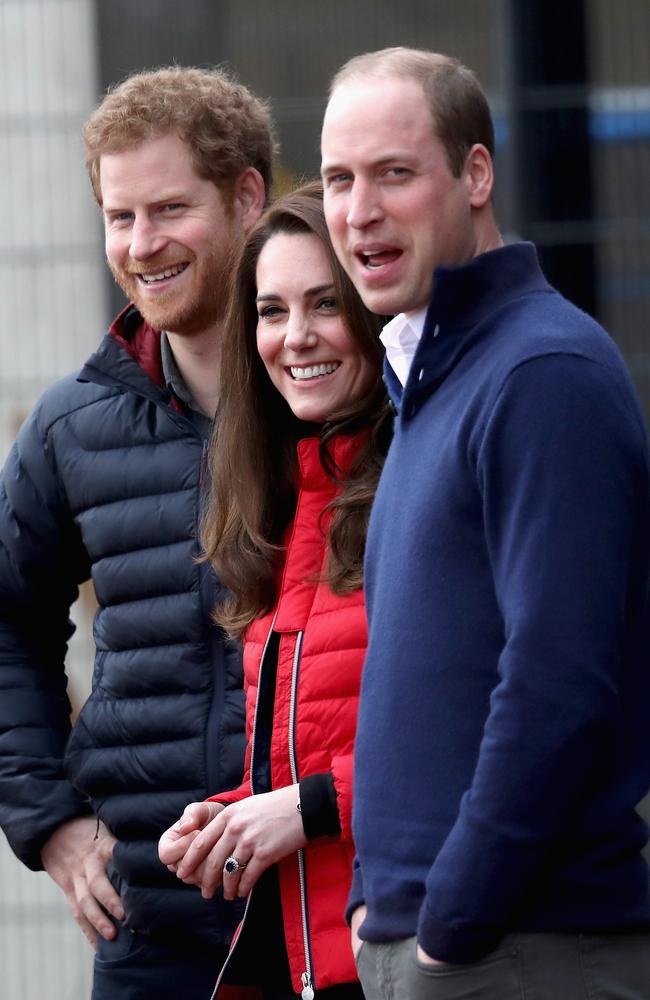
x=307, y=975
x=250, y=895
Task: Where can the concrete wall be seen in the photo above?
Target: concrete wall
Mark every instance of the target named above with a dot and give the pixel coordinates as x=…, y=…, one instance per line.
x=53, y=310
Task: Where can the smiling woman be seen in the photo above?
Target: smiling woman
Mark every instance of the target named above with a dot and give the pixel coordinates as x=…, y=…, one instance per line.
x=302, y=431
x=302, y=336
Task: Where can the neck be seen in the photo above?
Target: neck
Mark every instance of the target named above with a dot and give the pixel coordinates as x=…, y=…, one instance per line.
x=198, y=357
x=488, y=236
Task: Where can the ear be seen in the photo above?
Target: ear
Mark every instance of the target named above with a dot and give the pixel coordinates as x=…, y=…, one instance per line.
x=249, y=196
x=478, y=173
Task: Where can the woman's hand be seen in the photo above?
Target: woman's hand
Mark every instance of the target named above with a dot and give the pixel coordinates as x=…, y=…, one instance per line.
x=175, y=842
x=258, y=831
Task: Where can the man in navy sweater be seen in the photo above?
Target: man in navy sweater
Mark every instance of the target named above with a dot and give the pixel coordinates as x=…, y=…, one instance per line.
x=504, y=730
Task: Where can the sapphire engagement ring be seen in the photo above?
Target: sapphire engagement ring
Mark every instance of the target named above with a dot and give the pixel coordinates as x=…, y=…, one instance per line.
x=232, y=865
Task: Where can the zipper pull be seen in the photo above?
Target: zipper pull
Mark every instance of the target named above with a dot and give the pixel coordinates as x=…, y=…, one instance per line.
x=307, y=988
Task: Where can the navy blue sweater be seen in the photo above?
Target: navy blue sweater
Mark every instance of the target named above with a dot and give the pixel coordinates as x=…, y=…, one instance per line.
x=504, y=731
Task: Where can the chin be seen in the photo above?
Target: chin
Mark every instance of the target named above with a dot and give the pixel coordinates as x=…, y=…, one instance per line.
x=381, y=304
x=184, y=321
x=309, y=415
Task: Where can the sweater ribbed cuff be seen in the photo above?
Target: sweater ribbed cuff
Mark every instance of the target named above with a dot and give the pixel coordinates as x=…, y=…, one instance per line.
x=356, y=897
x=318, y=806
x=456, y=945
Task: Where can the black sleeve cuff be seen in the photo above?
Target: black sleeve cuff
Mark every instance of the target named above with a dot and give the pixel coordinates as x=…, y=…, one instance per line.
x=318, y=806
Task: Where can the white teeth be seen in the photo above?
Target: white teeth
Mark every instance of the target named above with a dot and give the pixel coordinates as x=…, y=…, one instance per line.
x=170, y=272
x=313, y=371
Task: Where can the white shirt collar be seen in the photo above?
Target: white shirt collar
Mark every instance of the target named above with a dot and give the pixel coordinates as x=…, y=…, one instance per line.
x=401, y=337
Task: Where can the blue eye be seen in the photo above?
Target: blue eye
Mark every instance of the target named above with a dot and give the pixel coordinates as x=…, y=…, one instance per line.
x=120, y=217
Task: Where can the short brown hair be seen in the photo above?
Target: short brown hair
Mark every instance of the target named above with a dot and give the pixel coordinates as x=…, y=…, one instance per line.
x=253, y=453
x=459, y=108
x=226, y=127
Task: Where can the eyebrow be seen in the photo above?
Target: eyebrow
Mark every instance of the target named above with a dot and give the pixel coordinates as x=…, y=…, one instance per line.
x=168, y=197
x=309, y=292
x=399, y=156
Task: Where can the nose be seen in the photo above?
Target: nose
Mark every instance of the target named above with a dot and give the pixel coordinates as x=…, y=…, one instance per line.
x=364, y=205
x=146, y=241
x=299, y=333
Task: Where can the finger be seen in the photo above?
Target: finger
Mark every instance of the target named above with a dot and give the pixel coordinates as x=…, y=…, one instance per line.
x=89, y=910
x=194, y=879
x=197, y=815
x=105, y=849
x=250, y=875
x=231, y=880
x=213, y=873
x=167, y=847
x=89, y=932
x=104, y=893
x=201, y=847
x=172, y=847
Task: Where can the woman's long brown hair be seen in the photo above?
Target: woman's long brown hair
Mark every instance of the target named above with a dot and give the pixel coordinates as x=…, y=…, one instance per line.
x=253, y=449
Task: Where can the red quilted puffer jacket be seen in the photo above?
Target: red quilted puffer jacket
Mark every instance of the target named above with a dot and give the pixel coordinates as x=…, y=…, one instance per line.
x=322, y=646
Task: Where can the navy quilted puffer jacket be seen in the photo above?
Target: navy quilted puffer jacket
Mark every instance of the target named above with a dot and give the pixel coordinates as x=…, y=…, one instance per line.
x=105, y=481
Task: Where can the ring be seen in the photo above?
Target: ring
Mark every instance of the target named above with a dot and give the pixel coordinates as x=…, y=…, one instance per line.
x=232, y=865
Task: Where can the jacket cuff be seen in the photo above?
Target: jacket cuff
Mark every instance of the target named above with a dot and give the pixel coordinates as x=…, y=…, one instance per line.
x=456, y=945
x=318, y=806
x=28, y=849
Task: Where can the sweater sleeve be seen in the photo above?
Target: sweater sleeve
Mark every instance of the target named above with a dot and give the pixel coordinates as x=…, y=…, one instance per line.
x=562, y=468
x=42, y=563
x=356, y=897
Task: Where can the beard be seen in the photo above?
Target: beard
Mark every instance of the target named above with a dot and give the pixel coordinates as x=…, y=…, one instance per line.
x=194, y=307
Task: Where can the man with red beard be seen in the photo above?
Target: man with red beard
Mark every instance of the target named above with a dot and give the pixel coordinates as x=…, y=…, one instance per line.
x=105, y=481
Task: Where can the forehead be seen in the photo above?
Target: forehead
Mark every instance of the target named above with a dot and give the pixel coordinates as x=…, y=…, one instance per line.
x=151, y=166
x=372, y=113
x=294, y=258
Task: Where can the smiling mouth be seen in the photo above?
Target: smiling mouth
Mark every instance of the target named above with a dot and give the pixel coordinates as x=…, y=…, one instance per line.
x=313, y=371
x=375, y=260
x=169, y=272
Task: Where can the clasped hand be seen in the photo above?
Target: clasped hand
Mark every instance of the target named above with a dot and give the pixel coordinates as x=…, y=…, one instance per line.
x=258, y=831
x=75, y=857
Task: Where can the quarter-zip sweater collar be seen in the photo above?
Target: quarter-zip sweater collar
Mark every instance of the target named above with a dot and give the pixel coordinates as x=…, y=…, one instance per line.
x=464, y=302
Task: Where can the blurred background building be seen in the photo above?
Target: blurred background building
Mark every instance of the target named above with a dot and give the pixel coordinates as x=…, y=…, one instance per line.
x=569, y=84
